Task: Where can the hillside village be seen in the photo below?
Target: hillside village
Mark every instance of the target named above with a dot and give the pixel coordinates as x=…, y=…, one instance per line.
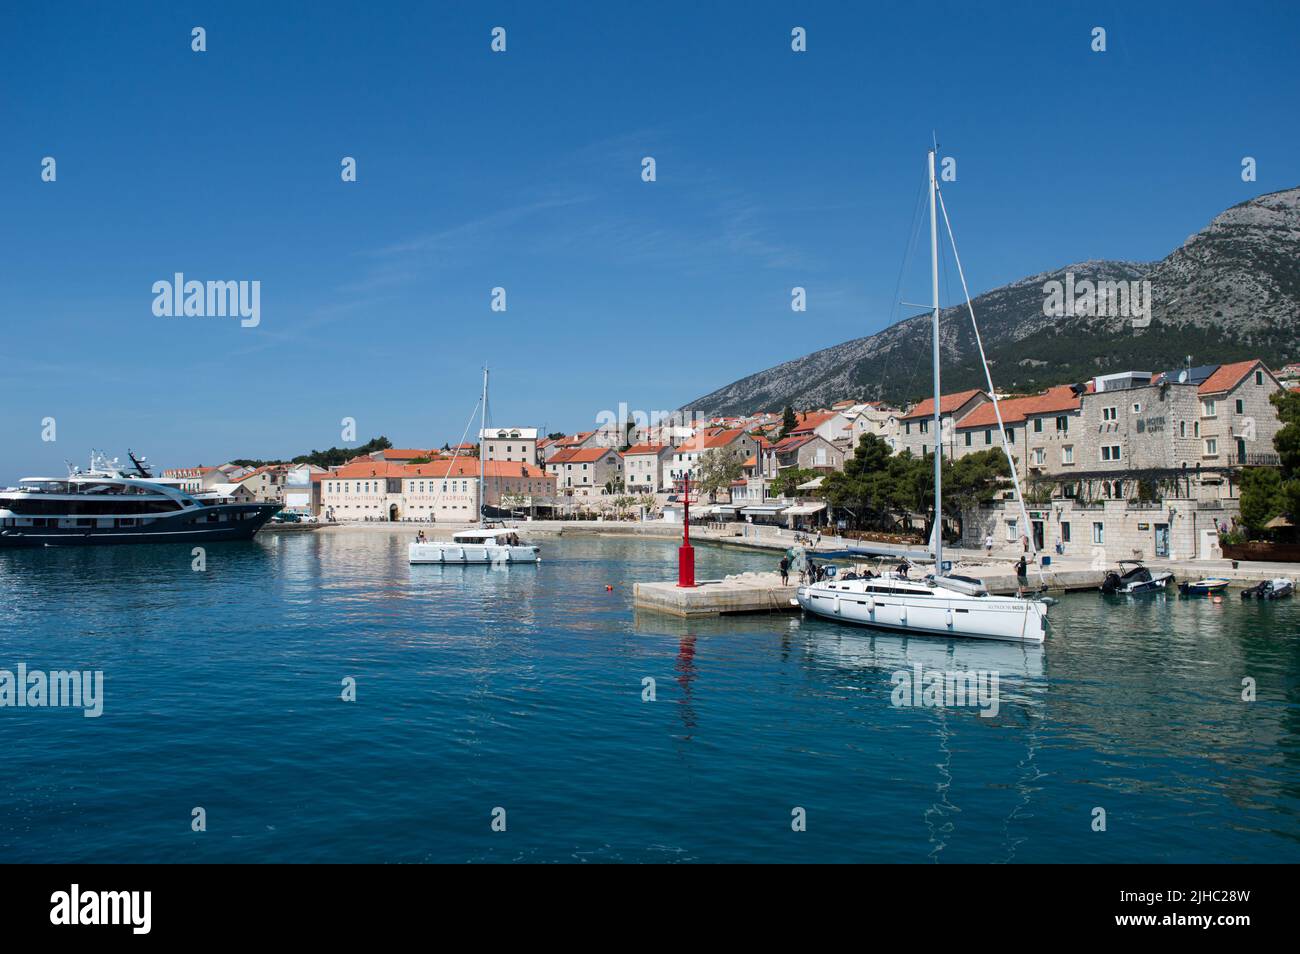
x=1147, y=462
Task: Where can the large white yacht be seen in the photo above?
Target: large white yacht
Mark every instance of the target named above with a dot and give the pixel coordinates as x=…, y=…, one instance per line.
x=937, y=606
x=106, y=504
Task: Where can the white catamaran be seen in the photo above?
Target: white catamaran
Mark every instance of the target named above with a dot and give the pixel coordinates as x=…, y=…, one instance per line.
x=939, y=604
x=482, y=545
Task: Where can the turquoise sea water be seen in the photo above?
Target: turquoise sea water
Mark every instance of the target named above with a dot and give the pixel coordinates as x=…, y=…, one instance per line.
x=521, y=688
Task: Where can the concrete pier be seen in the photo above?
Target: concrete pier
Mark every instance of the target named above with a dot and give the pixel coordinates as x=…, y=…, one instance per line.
x=739, y=593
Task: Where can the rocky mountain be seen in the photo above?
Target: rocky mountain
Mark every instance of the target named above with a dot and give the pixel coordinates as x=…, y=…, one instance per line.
x=1231, y=291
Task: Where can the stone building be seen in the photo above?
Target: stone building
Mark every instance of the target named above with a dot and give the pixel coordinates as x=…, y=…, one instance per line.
x=585, y=471
x=509, y=443
x=643, y=467
x=917, y=425
x=809, y=452
x=266, y=483
x=873, y=418
x=1037, y=427
x=1106, y=531
x=446, y=490
x=1189, y=430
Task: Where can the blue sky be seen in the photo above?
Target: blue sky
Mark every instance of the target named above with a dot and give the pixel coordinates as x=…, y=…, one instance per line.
x=522, y=170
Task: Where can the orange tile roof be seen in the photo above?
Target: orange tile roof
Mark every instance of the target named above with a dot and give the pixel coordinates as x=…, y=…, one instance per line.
x=586, y=455
x=948, y=403
x=395, y=453
x=253, y=473
x=646, y=449
x=1227, y=377
x=710, y=439
x=1014, y=410
x=811, y=420
x=792, y=442
x=464, y=467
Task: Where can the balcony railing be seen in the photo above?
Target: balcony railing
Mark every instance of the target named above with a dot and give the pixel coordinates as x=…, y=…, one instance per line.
x=1145, y=505
x=1259, y=459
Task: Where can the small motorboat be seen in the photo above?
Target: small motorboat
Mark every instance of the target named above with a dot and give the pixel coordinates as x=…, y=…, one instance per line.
x=1274, y=589
x=1205, y=587
x=1139, y=579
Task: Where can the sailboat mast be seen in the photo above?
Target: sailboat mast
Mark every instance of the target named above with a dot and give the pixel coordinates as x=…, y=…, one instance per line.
x=482, y=431
x=938, y=422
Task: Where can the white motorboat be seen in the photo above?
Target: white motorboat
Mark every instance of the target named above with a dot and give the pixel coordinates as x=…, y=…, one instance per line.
x=940, y=604
x=477, y=546
x=937, y=606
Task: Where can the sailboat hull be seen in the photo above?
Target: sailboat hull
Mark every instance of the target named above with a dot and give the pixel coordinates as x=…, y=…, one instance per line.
x=937, y=613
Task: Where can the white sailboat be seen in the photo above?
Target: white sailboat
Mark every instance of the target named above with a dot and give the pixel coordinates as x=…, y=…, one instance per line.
x=939, y=604
x=496, y=545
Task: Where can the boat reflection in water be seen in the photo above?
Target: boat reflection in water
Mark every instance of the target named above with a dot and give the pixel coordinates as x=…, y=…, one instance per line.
x=1015, y=675
x=871, y=649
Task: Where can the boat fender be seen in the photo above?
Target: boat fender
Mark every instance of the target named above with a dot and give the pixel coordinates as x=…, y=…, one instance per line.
x=837, y=606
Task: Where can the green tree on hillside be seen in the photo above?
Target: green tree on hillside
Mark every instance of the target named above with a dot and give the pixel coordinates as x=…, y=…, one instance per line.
x=340, y=455
x=788, y=421
x=1287, y=444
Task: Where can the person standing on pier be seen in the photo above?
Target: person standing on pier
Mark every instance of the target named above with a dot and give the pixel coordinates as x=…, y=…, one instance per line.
x=1022, y=575
x=785, y=571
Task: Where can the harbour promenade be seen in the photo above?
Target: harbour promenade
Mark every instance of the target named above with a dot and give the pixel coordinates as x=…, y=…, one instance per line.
x=763, y=592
